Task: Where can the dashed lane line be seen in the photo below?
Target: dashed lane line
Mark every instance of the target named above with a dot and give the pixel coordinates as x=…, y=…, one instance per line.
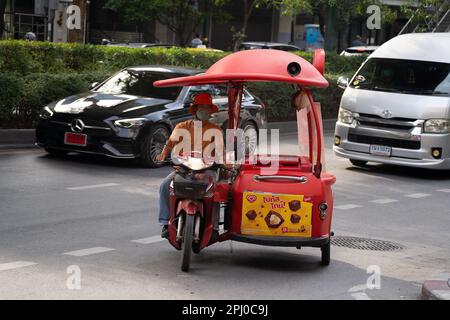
x=418, y=195
x=16, y=265
x=444, y=190
x=149, y=240
x=93, y=186
x=383, y=201
x=347, y=206
x=88, y=252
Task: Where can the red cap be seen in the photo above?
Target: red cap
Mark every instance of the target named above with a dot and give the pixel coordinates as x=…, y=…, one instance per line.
x=203, y=99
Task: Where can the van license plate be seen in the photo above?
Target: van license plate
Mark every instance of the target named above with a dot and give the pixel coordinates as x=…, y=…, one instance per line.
x=380, y=150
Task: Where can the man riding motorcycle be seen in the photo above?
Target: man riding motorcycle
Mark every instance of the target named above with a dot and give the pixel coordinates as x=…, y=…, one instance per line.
x=202, y=108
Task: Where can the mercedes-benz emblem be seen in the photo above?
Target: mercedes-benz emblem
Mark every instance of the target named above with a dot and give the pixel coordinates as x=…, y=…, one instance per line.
x=77, y=125
x=386, y=114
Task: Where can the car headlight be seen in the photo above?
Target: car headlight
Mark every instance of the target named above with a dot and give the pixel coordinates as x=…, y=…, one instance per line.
x=436, y=126
x=46, y=113
x=345, y=116
x=129, y=123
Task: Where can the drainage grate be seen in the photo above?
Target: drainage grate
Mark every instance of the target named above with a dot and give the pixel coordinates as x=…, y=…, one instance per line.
x=365, y=244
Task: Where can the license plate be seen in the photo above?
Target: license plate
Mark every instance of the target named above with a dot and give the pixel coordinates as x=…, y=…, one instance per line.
x=380, y=150
x=75, y=139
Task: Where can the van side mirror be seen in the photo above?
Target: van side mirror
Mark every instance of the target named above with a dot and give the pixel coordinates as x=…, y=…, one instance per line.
x=93, y=85
x=342, y=82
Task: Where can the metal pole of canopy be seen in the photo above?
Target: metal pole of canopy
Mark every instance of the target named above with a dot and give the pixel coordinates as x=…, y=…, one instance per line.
x=234, y=105
x=318, y=165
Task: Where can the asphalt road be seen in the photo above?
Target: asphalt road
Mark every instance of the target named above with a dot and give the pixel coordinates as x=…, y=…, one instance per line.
x=98, y=217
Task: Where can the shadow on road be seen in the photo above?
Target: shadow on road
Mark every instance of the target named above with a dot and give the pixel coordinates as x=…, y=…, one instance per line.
x=406, y=172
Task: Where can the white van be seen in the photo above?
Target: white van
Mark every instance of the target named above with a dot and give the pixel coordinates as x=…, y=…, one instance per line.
x=396, y=108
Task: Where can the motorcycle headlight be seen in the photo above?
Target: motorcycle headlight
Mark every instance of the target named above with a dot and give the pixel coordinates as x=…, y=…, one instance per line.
x=195, y=164
x=436, y=126
x=129, y=123
x=345, y=116
x=46, y=113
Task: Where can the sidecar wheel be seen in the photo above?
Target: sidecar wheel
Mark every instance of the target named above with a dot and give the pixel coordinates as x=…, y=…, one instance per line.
x=326, y=256
x=186, y=247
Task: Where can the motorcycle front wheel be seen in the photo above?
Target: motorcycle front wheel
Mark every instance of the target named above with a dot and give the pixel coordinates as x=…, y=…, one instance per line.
x=186, y=247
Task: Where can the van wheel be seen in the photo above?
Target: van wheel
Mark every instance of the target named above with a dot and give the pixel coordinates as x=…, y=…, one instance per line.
x=326, y=256
x=153, y=144
x=358, y=163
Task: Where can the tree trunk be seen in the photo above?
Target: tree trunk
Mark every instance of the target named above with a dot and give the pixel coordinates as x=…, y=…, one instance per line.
x=2, y=17
x=248, y=9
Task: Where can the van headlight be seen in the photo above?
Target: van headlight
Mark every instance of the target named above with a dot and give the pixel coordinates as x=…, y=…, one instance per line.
x=436, y=126
x=46, y=113
x=345, y=116
x=129, y=123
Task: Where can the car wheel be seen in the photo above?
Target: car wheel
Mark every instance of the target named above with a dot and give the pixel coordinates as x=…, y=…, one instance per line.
x=56, y=152
x=358, y=163
x=249, y=138
x=153, y=144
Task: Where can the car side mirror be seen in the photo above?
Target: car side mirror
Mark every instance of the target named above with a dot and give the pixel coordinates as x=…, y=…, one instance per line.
x=93, y=85
x=342, y=82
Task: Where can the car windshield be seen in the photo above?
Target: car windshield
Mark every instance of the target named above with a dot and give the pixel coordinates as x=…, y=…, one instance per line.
x=140, y=83
x=404, y=76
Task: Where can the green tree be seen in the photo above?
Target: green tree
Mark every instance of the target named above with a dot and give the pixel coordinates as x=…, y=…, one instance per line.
x=287, y=7
x=425, y=14
x=180, y=16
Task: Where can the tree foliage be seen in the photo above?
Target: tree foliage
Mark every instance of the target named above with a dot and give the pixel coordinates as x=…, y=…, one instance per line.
x=180, y=16
x=426, y=13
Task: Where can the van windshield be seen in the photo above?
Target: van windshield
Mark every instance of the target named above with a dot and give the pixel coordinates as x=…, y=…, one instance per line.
x=404, y=76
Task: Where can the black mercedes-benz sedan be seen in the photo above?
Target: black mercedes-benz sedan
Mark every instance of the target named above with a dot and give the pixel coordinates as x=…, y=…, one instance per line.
x=127, y=117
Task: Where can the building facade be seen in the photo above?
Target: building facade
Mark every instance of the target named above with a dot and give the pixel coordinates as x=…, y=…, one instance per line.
x=88, y=21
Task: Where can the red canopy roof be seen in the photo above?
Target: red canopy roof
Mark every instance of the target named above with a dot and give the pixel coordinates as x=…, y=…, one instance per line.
x=256, y=65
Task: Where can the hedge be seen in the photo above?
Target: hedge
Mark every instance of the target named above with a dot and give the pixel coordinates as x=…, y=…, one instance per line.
x=32, y=74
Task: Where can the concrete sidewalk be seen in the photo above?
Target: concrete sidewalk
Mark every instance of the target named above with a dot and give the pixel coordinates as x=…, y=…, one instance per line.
x=25, y=138
x=438, y=288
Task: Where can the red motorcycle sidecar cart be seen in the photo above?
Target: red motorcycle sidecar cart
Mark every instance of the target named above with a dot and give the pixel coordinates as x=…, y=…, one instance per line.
x=291, y=206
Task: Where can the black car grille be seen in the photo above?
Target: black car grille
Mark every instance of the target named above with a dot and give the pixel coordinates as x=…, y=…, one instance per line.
x=375, y=121
x=396, y=143
x=68, y=118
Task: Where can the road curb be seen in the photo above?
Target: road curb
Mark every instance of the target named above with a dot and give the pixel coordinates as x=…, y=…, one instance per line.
x=17, y=138
x=291, y=126
x=438, y=288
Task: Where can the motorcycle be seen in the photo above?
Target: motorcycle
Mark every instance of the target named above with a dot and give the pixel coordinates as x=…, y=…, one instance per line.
x=195, y=216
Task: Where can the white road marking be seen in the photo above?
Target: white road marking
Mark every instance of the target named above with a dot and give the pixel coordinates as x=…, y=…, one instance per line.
x=347, y=206
x=359, y=292
x=444, y=190
x=87, y=252
x=149, y=240
x=93, y=186
x=141, y=191
x=16, y=265
x=360, y=296
x=418, y=195
x=383, y=201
